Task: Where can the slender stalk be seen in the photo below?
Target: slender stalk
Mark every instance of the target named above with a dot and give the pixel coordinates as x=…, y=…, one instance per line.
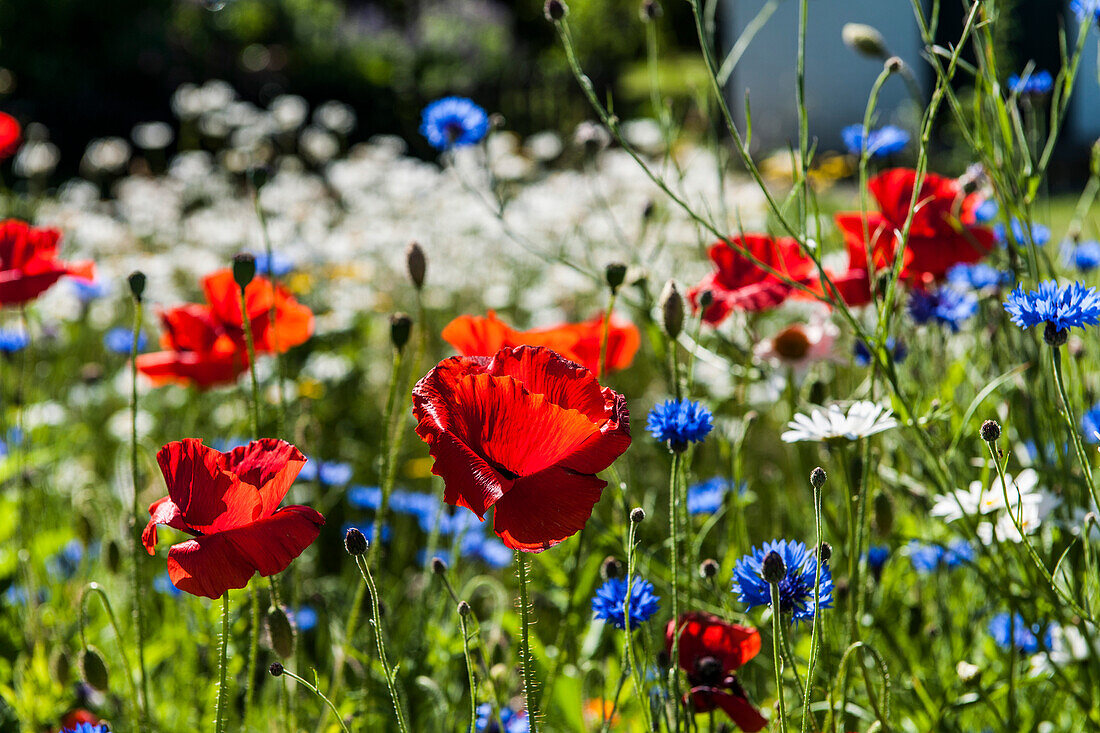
x=776, y=657
x=254, y=639
x=376, y=621
x=223, y=690
x=95, y=589
x=273, y=314
x=529, y=683
x=472, y=680
x=389, y=470
x=605, y=332
x=674, y=570
x=815, y=638
x=135, y=532
x=318, y=693
x=628, y=639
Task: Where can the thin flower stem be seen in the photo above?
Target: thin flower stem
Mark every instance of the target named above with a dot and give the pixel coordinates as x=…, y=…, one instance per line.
x=255, y=406
x=273, y=313
x=529, y=684
x=469, y=670
x=1071, y=424
x=254, y=639
x=135, y=533
x=674, y=570
x=815, y=637
x=776, y=635
x=376, y=621
x=96, y=590
x=788, y=657
x=223, y=690
x=318, y=693
x=628, y=640
x=604, y=334
x=390, y=443
x=253, y=649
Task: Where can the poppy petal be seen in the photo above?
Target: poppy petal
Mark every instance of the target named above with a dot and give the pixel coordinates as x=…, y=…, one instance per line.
x=269, y=464
x=545, y=509
x=209, y=498
x=564, y=383
x=477, y=336
x=201, y=369
x=740, y=710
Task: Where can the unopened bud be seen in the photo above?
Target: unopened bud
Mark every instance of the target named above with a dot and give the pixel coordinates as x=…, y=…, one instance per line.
x=615, y=272
x=112, y=556
x=244, y=269
x=438, y=566
x=280, y=632
x=884, y=514
x=94, y=670
x=355, y=542
x=60, y=667
x=1055, y=336
x=555, y=10
x=463, y=608
x=708, y=568
x=818, y=477
x=706, y=299
x=990, y=431
x=611, y=568
x=773, y=568
x=672, y=309
x=894, y=64
x=275, y=669
x=137, y=284
x=417, y=264
x=825, y=552
x=637, y=515
x=864, y=40
x=650, y=10
x=400, y=328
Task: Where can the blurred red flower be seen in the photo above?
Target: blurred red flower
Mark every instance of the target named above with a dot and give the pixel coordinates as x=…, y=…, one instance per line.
x=293, y=321
x=230, y=503
x=29, y=264
x=853, y=284
x=942, y=233
x=710, y=651
x=579, y=342
x=11, y=134
x=739, y=284
x=524, y=432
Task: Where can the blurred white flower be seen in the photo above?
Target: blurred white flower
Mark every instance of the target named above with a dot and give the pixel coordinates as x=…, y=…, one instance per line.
x=336, y=116
x=978, y=499
x=863, y=418
x=799, y=345
x=544, y=146
x=36, y=158
x=290, y=111
x=105, y=155
x=152, y=135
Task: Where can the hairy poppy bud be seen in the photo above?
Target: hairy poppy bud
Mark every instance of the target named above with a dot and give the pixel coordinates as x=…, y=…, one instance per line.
x=773, y=568
x=61, y=667
x=615, y=273
x=1055, y=336
x=611, y=567
x=649, y=210
x=894, y=64
x=709, y=568
x=555, y=10
x=244, y=269
x=818, y=477
x=637, y=515
x=825, y=552
x=355, y=542
x=275, y=669
x=400, y=327
x=672, y=309
x=93, y=669
x=112, y=556
x=417, y=264
x=463, y=608
x=438, y=566
x=258, y=175
x=864, y=40
x=884, y=514
x=650, y=10
x=280, y=631
x=137, y=284
x=706, y=299
x=990, y=431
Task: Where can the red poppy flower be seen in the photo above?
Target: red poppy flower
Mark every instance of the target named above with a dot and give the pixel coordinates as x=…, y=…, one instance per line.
x=230, y=503
x=579, y=342
x=710, y=651
x=29, y=264
x=739, y=284
x=524, y=432
x=942, y=233
x=293, y=321
x=10, y=135
x=73, y=718
x=197, y=350
x=853, y=284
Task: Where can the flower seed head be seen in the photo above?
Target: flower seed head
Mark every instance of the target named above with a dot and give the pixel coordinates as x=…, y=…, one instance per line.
x=137, y=284
x=616, y=274
x=672, y=309
x=708, y=568
x=990, y=431
x=244, y=269
x=774, y=569
x=438, y=566
x=637, y=515
x=400, y=328
x=818, y=477
x=275, y=669
x=864, y=40
x=355, y=542
x=555, y=10
x=417, y=264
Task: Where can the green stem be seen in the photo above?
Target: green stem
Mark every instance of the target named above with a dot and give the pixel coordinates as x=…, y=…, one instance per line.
x=529, y=691
x=391, y=443
x=135, y=533
x=815, y=638
x=94, y=589
x=776, y=635
x=273, y=313
x=318, y=693
x=469, y=670
x=376, y=621
x=635, y=673
x=255, y=406
x=674, y=570
x=253, y=650
x=223, y=690
x=605, y=332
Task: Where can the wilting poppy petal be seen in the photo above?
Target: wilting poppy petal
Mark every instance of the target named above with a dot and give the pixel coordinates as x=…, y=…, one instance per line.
x=269, y=464
x=212, y=564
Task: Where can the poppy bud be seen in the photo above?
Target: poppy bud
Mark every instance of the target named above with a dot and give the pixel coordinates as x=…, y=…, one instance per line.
x=400, y=327
x=894, y=64
x=112, y=556
x=61, y=668
x=825, y=552
x=463, y=608
x=818, y=477
x=275, y=669
x=280, y=631
x=650, y=10
x=709, y=568
x=773, y=568
x=555, y=10
x=615, y=273
x=416, y=264
x=990, y=431
x=611, y=567
x=91, y=373
x=137, y=284
x=672, y=309
x=258, y=175
x=439, y=566
x=649, y=210
x=93, y=669
x=1055, y=336
x=355, y=542
x=884, y=513
x=864, y=40
x=637, y=515
x=244, y=269
x=706, y=299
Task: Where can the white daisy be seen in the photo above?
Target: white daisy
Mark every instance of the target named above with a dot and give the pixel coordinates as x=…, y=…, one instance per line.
x=958, y=503
x=863, y=419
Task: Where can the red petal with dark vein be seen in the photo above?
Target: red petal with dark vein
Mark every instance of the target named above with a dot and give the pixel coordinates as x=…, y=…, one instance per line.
x=269, y=464
x=209, y=498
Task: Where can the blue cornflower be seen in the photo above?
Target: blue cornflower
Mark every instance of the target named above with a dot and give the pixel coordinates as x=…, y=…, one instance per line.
x=414, y=503
x=1086, y=10
x=365, y=497
x=880, y=143
x=707, y=497
x=897, y=349
x=13, y=340
x=65, y=563
x=453, y=122
x=986, y=211
x=1084, y=256
x=947, y=306
x=1071, y=306
x=513, y=722
x=304, y=618
x=679, y=422
x=796, y=589
x=367, y=528
x=163, y=584
x=278, y=265
x=1011, y=630
x=87, y=728
x=876, y=557
x=1036, y=83
x=978, y=276
x=1090, y=423
x=1039, y=234
x=958, y=552
x=334, y=474
x=926, y=558
x=120, y=340
x=88, y=290
x=610, y=598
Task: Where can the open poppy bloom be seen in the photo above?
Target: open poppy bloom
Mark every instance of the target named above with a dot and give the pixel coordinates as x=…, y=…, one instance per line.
x=29, y=264
x=230, y=503
x=293, y=321
x=943, y=232
x=579, y=342
x=197, y=350
x=739, y=284
x=710, y=651
x=10, y=135
x=523, y=432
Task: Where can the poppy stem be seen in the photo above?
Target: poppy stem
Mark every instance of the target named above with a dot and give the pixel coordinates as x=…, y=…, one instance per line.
x=674, y=569
x=376, y=621
x=635, y=673
x=776, y=657
x=815, y=633
x=255, y=406
x=391, y=444
x=223, y=691
x=273, y=313
x=95, y=589
x=253, y=650
x=318, y=693
x=605, y=332
x=529, y=692
x=469, y=670
x=135, y=526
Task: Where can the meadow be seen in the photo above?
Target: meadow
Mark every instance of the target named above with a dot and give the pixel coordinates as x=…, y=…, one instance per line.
x=621, y=428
